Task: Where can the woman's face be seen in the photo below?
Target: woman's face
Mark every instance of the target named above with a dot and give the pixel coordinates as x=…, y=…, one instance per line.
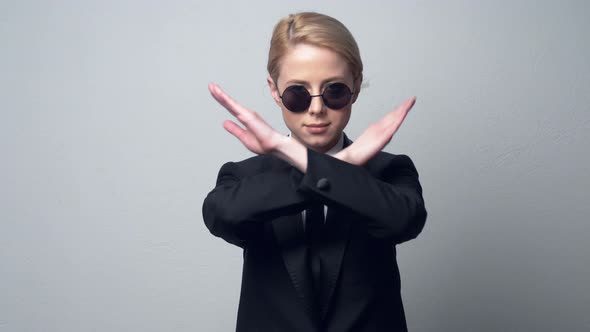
x=314, y=68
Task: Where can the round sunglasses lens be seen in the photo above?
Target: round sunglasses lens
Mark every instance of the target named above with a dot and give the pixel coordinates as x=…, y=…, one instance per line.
x=296, y=98
x=337, y=95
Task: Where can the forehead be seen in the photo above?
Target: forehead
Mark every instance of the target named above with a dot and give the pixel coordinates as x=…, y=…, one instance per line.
x=312, y=64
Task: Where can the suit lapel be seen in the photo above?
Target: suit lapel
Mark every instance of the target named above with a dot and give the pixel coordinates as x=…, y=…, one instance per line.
x=346, y=142
x=290, y=236
x=334, y=245
x=333, y=248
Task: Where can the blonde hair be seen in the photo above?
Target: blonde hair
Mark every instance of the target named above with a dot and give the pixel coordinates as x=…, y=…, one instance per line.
x=317, y=30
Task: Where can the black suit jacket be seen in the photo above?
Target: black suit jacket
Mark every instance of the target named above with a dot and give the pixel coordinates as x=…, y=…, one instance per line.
x=257, y=205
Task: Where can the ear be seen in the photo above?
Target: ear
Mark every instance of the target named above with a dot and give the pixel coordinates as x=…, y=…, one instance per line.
x=273, y=90
x=357, y=88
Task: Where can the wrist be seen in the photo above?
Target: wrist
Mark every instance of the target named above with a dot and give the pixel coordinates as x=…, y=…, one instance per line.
x=346, y=155
x=292, y=151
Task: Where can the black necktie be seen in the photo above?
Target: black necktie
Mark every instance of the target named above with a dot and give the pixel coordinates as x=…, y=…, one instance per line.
x=314, y=226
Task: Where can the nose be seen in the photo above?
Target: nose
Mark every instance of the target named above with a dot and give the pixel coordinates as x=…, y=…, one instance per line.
x=317, y=105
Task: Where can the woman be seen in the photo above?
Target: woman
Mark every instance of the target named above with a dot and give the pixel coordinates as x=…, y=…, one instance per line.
x=317, y=215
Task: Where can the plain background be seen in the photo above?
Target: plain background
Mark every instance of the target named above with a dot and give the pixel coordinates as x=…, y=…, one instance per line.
x=110, y=142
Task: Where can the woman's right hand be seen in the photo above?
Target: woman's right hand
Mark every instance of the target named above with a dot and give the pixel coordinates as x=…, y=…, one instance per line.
x=258, y=136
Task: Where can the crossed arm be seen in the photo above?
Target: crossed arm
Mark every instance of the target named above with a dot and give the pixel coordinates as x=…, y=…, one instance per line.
x=260, y=138
x=387, y=192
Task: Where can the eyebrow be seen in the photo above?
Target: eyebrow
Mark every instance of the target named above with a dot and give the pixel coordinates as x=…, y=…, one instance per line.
x=306, y=83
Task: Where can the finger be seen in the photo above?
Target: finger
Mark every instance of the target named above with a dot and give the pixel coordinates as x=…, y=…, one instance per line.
x=234, y=129
x=222, y=98
x=226, y=101
x=399, y=114
x=407, y=105
x=243, y=136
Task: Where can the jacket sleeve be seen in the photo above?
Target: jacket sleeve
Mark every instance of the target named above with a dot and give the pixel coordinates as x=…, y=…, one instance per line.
x=247, y=196
x=385, y=193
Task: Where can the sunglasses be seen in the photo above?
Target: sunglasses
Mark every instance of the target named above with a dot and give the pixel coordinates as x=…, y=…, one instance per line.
x=297, y=99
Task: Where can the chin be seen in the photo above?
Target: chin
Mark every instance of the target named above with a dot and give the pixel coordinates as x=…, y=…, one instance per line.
x=317, y=143
x=322, y=146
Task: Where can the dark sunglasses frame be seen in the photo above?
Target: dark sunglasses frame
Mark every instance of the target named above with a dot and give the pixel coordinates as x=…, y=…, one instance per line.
x=306, y=102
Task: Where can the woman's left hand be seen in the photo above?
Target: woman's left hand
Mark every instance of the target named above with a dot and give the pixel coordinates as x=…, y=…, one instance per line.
x=376, y=136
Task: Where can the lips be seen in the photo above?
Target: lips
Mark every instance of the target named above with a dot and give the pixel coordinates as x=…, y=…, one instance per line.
x=317, y=125
x=317, y=128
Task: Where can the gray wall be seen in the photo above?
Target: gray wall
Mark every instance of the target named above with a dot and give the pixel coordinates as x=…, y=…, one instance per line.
x=110, y=142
